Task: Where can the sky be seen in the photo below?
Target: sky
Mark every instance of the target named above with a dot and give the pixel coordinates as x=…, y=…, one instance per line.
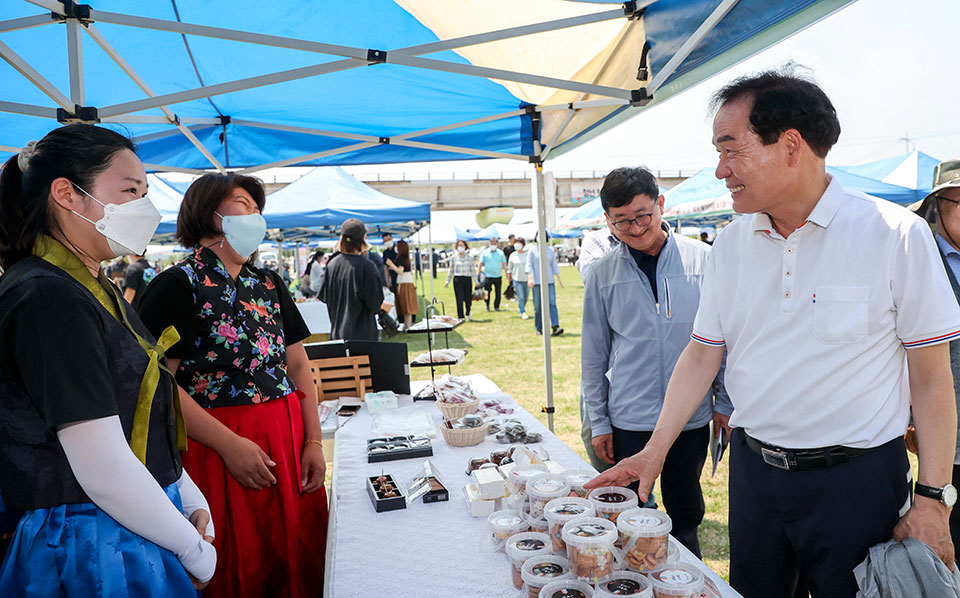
x=889, y=66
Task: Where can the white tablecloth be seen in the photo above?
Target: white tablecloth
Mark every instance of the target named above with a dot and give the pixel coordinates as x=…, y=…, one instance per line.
x=426, y=550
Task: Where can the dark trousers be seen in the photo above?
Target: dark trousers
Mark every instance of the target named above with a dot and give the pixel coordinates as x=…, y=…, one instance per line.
x=679, y=480
x=492, y=282
x=463, y=291
x=814, y=526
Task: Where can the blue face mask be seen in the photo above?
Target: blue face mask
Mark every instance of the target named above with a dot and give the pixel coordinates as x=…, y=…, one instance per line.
x=244, y=233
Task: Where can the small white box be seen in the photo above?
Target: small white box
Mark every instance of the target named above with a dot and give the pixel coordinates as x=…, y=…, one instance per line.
x=506, y=469
x=477, y=506
x=489, y=483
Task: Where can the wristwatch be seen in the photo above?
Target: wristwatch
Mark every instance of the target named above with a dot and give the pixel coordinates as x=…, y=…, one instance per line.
x=947, y=495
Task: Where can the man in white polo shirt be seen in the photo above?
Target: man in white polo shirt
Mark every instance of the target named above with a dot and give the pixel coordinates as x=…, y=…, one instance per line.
x=835, y=311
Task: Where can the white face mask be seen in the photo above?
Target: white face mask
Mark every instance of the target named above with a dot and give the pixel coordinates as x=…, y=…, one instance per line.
x=128, y=227
x=517, y=246
x=461, y=249
x=388, y=244
x=245, y=232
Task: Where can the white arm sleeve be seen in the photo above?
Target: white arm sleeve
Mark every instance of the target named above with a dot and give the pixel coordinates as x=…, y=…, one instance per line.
x=193, y=499
x=102, y=461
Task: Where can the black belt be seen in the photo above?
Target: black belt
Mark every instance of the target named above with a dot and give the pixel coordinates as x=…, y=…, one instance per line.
x=802, y=459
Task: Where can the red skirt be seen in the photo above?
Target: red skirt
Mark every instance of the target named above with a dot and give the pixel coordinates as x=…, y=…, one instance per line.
x=269, y=542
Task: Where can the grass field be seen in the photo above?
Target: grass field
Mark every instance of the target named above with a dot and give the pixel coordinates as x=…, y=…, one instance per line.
x=508, y=350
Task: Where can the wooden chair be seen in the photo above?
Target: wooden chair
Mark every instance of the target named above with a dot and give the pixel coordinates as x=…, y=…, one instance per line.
x=337, y=377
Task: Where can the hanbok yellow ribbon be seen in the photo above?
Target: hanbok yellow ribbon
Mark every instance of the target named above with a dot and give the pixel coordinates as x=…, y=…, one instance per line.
x=53, y=252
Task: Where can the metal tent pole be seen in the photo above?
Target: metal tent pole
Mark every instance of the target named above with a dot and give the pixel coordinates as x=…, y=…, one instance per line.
x=539, y=205
x=430, y=250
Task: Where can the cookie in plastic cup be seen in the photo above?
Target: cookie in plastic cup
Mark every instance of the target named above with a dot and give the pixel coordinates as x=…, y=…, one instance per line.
x=567, y=588
x=523, y=546
x=543, y=488
x=624, y=583
x=517, y=482
x=645, y=538
x=561, y=510
x=504, y=524
x=590, y=547
x=539, y=571
x=610, y=501
x=577, y=478
x=677, y=580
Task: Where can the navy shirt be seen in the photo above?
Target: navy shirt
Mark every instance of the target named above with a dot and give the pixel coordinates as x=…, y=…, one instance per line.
x=648, y=265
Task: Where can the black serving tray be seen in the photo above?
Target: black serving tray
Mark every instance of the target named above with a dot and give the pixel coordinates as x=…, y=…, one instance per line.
x=393, y=448
x=382, y=503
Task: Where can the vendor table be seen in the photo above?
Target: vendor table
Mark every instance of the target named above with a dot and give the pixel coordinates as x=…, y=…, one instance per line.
x=426, y=550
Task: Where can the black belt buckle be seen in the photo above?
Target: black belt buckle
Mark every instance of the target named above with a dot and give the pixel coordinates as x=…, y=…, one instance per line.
x=775, y=458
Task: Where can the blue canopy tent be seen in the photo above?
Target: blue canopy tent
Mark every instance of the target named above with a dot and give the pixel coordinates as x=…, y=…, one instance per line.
x=316, y=204
x=198, y=88
x=913, y=171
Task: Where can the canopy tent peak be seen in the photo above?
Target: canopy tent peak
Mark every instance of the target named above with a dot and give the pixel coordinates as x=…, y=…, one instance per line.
x=80, y=114
x=72, y=10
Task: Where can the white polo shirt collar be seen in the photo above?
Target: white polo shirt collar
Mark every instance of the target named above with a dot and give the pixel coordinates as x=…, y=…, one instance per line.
x=821, y=215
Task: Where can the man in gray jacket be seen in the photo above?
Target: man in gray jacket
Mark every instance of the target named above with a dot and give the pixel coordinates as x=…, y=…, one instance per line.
x=639, y=304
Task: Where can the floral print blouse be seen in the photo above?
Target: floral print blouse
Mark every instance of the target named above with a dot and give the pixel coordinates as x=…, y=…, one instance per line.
x=233, y=334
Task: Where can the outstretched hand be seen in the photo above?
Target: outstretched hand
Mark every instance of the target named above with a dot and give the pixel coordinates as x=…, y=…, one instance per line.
x=643, y=467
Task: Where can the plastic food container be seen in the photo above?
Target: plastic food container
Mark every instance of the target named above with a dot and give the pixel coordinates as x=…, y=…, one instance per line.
x=561, y=510
x=677, y=580
x=567, y=588
x=645, y=535
x=542, y=489
x=610, y=501
x=538, y=525
x=577, y=478
x=538, y=572
x=590, y=548
x=624, y=583
x=504, y=524
x=517, y=484
x=523, y=546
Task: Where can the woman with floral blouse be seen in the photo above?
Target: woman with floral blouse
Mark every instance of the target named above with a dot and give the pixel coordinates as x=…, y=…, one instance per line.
x=248, y=396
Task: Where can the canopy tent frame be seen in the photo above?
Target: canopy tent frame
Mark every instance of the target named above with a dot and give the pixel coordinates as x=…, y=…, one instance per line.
x=79, y=18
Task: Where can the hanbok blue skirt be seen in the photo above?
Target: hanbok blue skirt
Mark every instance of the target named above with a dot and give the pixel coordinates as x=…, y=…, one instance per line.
x=78, y=551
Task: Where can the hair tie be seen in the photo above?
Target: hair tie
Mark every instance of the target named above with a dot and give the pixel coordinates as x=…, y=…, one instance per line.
x=25, y=155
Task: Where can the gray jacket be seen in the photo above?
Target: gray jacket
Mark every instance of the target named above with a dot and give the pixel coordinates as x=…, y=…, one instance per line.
x=954, y=353
x=631, y=343
x=907, y=569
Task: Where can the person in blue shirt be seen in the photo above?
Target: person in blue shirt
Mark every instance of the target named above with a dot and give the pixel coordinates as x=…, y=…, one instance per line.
x=639, y=303
x=533, y=281
x=492, y=259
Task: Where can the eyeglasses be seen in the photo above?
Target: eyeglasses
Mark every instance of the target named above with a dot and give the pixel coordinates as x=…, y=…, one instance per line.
x=947, y=199
x=624, y=225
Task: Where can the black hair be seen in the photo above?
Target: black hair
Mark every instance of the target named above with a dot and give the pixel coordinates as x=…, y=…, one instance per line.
x=783, y=100
x=350, y=244
x=521, y=241
x=203, y=197
x=76, y=152
x=623, y=184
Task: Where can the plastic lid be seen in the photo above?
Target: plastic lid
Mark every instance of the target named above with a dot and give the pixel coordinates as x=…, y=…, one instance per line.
x=613, y=499
x=567, y=508
x=579, y=477
x=677, y=579
x=506, y=520
x=624, y=583
x=541, y=570
x=525, y=545
x=547, y=486
x=522, y=476
x=644, y=523
x=567, y=588
x=589, y=531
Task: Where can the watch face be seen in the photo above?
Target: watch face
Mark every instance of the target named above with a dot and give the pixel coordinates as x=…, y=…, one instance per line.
x=949, y=495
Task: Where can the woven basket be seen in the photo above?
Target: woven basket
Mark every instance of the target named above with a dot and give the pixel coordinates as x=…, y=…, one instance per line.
x=452, y=411
x=465, y=437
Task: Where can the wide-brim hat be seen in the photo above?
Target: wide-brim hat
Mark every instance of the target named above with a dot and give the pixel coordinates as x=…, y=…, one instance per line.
x=945, y=176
